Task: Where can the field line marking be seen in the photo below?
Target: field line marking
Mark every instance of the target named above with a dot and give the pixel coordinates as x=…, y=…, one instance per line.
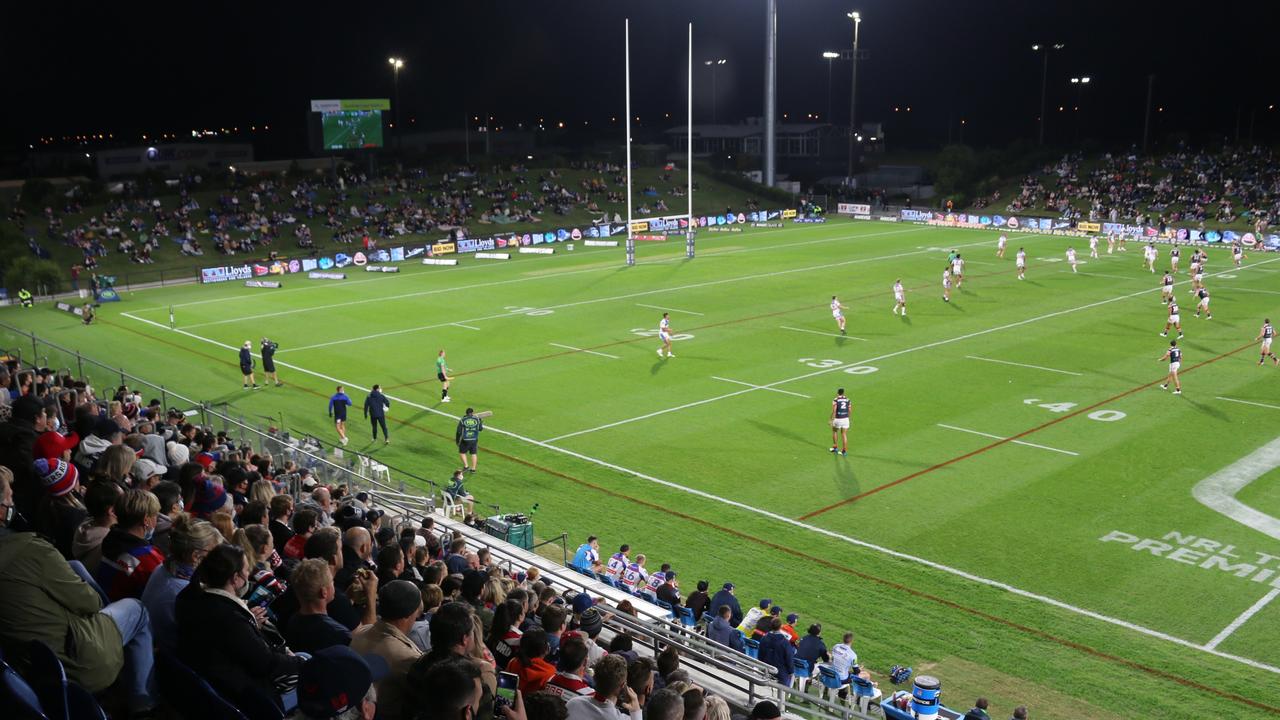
x=761, y=387
x=468, y=327
x=581, y=350
x=492, y=283
x=1034, y=367
x=1015, y=442
x=1105, y=275
x=1253, y=290
x=941, y=567
x=1248, y=402
x=591, y=301
x=820, y=332
x=1242, y=619
x=671, y=309
x=1218, y=491
x=886, y=356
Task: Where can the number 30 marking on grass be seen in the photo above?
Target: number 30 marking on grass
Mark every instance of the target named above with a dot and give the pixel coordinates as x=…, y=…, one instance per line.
x=1099, y=415
x=828, y=363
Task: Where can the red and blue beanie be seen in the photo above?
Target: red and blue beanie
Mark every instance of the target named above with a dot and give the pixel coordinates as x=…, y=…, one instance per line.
x=210, y=497
x=58, y=476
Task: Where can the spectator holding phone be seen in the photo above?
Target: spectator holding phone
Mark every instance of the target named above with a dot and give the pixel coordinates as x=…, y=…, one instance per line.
x=612, y=697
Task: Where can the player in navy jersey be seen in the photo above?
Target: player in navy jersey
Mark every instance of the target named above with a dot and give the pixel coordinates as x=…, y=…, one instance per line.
x=1265, y=336
x=1174, y=321
x=1203, y=295
x=1166, y=288
x=840, y=407
x=1174, y=356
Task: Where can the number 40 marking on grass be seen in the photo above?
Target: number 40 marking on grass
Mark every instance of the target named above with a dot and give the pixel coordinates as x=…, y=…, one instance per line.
x=1099, y=415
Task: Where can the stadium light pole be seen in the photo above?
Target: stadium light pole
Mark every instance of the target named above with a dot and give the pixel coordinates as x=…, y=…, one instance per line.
x=830, y=57
x=714, y=64
x=1080, y=83
x=856, y=17
x=1044, y=80
x=396, y=63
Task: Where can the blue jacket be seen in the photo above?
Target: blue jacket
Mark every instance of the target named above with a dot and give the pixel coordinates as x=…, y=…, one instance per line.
x=724, y=597
x=338, y=406
x=246, y=358
x=376, y=405
x=777, y=650
x=725, y=634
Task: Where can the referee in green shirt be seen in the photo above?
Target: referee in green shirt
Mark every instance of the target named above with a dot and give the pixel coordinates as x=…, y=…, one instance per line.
x=467, y=436
x=442, y=374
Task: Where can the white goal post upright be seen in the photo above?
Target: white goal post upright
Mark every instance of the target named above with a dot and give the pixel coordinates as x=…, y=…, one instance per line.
x=631, y=242
x=688, y=236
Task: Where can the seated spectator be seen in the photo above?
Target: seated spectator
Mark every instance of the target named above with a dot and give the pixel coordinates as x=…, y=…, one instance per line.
x=189, y=541
x=776, y=650
x=587, y=556
x=789, y=628
x=455, y=689
x=451, y=637
x=1019, y=713
x=664, y=705
x=811, y=647
x=503, y=639
x=99, y=501
x=399, y=605
x=545, y=705
x=128, y=557
x=978, y=711
x=717, y=708
x=338, y=683
x=325, y=544
x=640, y=677
x=553, y=619
x=59, y=513
x=279, y=512
x=698, y=601
x=221, y=639
x=210, y=497
x=391, y=565
x=570, y=679
x=669, y=591
x=357, y=549
x=613, y=696
x=456, y=561
x=757, y=618
x=304, y=523
x=589, y=625
x=725, y=596
x=530, y=662
x=765, y=710
x=420, y=633
x=723, y=632
x=170, y=495
x=45, y=600
x=310, y=629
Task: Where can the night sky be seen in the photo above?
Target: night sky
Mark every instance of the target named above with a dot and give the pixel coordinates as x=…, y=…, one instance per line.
x=130, y=68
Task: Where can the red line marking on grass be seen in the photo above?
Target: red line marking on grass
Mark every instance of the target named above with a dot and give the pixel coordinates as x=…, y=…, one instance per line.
x=998, y=443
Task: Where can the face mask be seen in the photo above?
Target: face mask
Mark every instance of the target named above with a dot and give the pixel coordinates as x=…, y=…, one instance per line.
x=9, y=513
x=57, y=424
x=150, y=533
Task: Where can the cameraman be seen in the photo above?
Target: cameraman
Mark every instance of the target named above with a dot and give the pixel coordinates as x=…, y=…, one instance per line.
x=269, y=362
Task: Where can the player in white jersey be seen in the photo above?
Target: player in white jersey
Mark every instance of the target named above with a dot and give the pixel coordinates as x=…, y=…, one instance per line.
x=1237, y=253
x=1071, y=258
x=1174, y=356
x=957, y=270
x=1149, y=256
x=946, y=283
x=1203, y=294
x=1265, y=335
x=1174, y=321
x=1000, y=244
x=1166, y=288
x=1093, y=246
x=1111, y=243
x=1021, y=262
x=837, y=312
x=664, y=334
x=899, y=298
x=1197, y=274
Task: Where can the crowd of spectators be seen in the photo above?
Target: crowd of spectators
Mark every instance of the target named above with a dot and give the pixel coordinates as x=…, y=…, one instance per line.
x=1185, y=188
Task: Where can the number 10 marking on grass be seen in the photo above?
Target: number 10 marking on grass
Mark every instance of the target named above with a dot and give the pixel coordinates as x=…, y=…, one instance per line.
x=1099, y=415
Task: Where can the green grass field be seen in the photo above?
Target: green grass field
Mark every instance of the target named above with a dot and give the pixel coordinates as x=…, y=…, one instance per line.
x=997, y=440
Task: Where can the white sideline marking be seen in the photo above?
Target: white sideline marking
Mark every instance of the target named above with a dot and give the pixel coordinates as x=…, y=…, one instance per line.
x=820, y=332
x=577, y=303
x=659, y=307
x=963, y=574
x=1034, y=367
x=589, y=352
x=761, y=387
x=1218, y=491
x=1249, y=402
x=1000, y=437
x=1244, y=617
x=468, y=327
x=886, y=356
x=493, y=283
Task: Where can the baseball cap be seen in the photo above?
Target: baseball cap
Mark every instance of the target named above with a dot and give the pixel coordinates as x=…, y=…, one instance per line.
x=336, y=679
x=728, y=586
x=792, y=618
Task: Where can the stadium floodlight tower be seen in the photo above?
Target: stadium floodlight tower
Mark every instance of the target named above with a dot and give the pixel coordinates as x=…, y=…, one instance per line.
x=1044, y=80
x=830, y=57
x=856, y=17
x=770, y=91
x=396, y=63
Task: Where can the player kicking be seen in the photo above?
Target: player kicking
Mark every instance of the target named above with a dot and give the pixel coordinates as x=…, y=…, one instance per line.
x=1149, y=255
x=840, y=423
x=1174, y=355
x=1237, y=254
x=957, y=270
x=1166, y=289
x=442, y=374
x=1174, y=320
x=946, y=283
x=1265, y=336
x=899, y=298
x=664, y=334
x=837, y=312
x=1000, y=244
x=1021, y=262
x=1071, y=258
x=1203, y=294
x=1093, y=246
